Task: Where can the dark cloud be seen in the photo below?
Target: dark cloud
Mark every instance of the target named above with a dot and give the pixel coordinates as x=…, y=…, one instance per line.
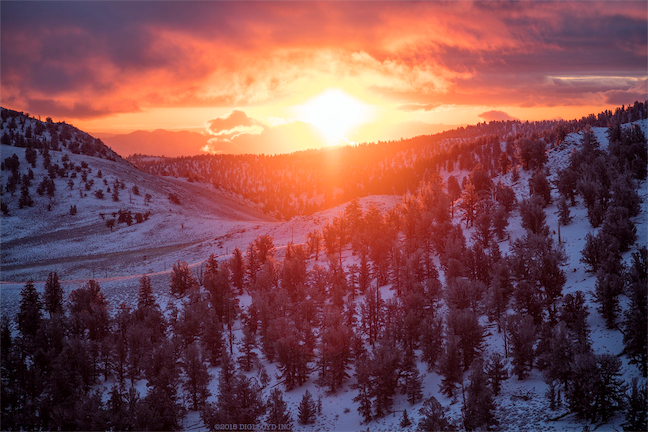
x=236, y=120
x=495, y=115
x=78, y=110
x=620, y=97
x=97, y=54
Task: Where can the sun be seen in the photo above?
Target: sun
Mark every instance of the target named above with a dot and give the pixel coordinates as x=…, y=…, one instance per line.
x=335, y=113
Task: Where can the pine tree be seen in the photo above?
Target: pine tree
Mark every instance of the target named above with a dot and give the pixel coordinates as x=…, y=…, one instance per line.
x=552, y=394
x=496, y=372
x=454, y=192
x=264, y=245
x=635, y=323
x=405, y=420
x=364, y=386
x=119, y=416
x=431, y=340
x=25, y=199
x=505, y=196
x=500, y=222
x=465, y=325
x=385, y=366
x=163, y=374
x=335, y=353
x=574, y=313
x=618, y=225
x=212, y=337
x=521, y=338
x=211, y=265
x=556, y=354
x=314, y=243
x=624, y=194
x=636, y=418
x=181, y=279
x=533, y=216
x=504, y=163
x=293, y=356
x=307, y=409
x=540, y=187
x=450, y=366
x=433, y=417
x=608, y=288
x=595, y=391
x=6, y=339
x=563, y=211
x=469, y=200
x=248, y=355
x=499, y=292
x=252, y=264
x=372, y=314
x=483, y=228
x=227, y=404
x=412, y=384
x=250, y=405
x=478, y=410
x=190, y=323
x=148, y=313
x=145, y=298
x=119, y=341
x=158, y=411
x=278, y=413
x=30, y=315
x=237, y=268
x=196, y=376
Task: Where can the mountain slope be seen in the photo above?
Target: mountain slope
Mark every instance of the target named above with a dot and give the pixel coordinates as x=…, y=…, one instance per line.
x=66, y=224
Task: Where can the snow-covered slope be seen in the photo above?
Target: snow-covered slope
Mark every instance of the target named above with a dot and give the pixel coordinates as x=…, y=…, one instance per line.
x=209, y=221
x=45, y=236
x=522, y=404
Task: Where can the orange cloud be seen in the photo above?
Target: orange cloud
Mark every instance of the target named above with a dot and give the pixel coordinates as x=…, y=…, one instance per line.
x=97, y=59
x=282, y=138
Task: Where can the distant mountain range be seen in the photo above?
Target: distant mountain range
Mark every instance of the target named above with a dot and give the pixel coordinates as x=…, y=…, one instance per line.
x=282, y=139
x=158, y=143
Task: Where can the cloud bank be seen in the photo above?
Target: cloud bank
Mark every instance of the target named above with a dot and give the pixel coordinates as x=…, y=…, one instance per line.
x=96, y=59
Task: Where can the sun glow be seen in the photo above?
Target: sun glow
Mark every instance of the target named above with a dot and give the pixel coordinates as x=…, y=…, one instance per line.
x=335, y=113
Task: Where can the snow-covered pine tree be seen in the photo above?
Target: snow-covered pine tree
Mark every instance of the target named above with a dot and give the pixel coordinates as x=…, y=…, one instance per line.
x=196, y=376
x=450, y=366
x=278, y=413
x=405, y=420
x=479, y=408
x=53, y=296
x=307, y=411
x=636, y=418
x=433, y=418
x=496, y=372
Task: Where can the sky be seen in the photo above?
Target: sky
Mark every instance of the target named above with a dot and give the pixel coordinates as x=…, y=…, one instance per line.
x=267, y=77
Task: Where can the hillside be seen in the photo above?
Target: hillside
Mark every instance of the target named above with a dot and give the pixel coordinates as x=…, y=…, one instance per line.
x=375, y=306
x=302, y=183
x=43, y=233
